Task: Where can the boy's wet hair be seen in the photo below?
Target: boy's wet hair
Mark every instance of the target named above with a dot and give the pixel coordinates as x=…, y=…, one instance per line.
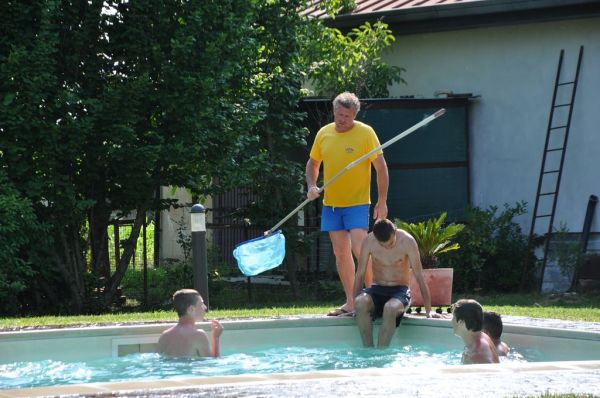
x=383, y=230
x=492, y=324
x=469, y=311
x=183, y=298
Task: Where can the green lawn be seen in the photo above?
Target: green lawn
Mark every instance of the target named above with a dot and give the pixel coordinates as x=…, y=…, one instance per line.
x=572, y=307
x=581, y=308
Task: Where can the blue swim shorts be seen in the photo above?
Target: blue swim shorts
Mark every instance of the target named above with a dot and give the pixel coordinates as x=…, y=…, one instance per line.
x=345, y=218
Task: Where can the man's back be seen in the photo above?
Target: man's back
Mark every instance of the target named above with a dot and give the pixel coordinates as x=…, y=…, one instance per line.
x=184, y=341
x=481, y=351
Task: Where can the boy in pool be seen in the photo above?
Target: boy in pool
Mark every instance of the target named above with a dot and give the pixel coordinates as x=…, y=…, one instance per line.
x=467, y=320
x=393, y=253
x=492, y=326
x=184, y=339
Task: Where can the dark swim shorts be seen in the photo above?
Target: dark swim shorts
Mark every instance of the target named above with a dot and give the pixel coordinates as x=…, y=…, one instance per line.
x=381, y=294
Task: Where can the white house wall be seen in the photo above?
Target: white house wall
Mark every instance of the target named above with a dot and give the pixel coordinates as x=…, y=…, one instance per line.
x=171, y=222
x=513, y=69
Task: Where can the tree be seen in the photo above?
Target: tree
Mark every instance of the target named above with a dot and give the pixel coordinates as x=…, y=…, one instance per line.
x=105, y=101
x=102, y=102
x=277, y=177
x=296, y=49
x=351, y=62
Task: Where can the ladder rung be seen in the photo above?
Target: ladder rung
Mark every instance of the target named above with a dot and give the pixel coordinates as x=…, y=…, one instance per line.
x=551, y=127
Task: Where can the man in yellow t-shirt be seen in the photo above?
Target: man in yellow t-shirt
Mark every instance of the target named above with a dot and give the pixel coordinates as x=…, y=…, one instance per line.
x=346, y=201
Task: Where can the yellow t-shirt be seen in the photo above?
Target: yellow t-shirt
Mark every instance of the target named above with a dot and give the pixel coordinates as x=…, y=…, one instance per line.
x=336, y=150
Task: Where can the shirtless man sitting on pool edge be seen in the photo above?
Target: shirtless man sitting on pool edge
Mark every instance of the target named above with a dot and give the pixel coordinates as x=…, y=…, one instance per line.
x=393, y=253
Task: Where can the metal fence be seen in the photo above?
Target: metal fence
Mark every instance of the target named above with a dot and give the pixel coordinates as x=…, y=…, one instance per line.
x=228, y=230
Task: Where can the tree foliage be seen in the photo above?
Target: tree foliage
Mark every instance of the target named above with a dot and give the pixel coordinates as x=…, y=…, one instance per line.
x=103, y=102
x=335, y=7
x=19, y=232
x=352, y=62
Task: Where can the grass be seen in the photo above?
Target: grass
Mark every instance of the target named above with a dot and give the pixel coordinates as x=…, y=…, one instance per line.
x=154, y=317
x=571, y=307
x=566, y=307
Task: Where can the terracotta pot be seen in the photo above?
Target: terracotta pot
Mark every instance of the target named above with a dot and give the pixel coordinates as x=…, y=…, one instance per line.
x=439, y=282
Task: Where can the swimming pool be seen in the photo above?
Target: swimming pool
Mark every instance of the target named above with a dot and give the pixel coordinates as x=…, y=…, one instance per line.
x=318, y=346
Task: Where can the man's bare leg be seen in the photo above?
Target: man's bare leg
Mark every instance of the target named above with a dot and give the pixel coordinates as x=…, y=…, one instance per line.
x=363, y=304
x=340, y=240
x=357, y=236
x=391, y=310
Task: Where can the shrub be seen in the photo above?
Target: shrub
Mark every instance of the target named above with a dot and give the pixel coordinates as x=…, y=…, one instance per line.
x=162, y=283
x=566, y=251
x=21, y=235
x=493, y=249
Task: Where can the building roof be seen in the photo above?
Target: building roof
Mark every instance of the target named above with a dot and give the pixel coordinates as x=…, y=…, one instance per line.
x=410, y=16
x=372, y=6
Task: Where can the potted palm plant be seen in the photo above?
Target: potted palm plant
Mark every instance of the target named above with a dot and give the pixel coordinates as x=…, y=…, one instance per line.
x=433, y=238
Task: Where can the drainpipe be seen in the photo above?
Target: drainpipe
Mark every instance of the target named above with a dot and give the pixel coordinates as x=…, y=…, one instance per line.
x=585, y=236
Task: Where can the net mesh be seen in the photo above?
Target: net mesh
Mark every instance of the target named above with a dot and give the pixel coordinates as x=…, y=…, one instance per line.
x=261, y=254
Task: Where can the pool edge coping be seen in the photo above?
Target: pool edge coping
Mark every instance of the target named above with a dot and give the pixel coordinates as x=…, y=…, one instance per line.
x=287, y=322
x=280, y=322
x=131, y=387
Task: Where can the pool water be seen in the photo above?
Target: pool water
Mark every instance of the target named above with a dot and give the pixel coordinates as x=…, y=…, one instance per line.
x=273, y=360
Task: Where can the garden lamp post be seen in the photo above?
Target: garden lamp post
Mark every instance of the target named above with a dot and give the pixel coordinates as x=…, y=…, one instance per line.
x=200, y=267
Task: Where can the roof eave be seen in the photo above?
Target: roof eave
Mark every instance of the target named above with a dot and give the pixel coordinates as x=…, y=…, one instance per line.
x=471, y=15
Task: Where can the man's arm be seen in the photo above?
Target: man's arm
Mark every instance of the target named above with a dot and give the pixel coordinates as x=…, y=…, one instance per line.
x=361, y=269
x=202, y=345
x=417, y=267
x=312, y=173
x=161, y=343
x=491, y=352
x=383, y=182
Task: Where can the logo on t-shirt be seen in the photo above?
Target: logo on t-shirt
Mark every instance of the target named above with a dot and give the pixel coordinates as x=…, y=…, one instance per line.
x=349, y=149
